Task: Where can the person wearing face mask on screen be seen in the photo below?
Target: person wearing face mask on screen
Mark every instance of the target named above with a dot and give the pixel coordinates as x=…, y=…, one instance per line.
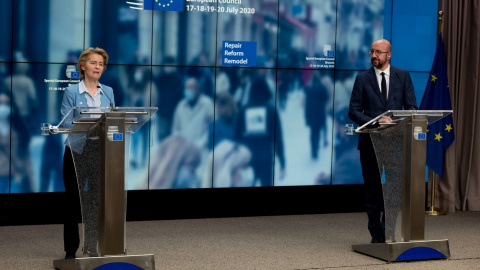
x=88, y=93
x=381, y=88
x=193, y=115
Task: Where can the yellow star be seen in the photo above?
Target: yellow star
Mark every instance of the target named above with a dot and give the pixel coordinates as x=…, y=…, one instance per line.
x=434, y=78
x=449, y=127
x=438, y=137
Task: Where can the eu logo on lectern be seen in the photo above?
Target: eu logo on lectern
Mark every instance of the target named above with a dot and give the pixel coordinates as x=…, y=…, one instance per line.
x=117, y=137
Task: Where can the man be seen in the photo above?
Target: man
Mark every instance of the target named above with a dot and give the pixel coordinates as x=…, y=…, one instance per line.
x=367, y=102
x=193, y=115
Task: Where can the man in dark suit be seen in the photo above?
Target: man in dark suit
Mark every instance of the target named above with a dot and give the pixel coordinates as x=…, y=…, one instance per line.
x=379, y=89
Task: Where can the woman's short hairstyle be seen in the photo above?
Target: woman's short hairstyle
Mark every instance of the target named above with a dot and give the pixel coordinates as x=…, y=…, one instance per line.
x=84, y=57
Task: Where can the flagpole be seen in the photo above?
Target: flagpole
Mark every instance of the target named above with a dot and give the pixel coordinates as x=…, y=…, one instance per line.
x=440, y=23
x=432, y=210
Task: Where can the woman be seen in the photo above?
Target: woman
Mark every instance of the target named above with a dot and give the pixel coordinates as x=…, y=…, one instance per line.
x=88, y=93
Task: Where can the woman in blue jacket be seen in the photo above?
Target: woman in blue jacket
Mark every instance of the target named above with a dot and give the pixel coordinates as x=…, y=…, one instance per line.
x=88, y=93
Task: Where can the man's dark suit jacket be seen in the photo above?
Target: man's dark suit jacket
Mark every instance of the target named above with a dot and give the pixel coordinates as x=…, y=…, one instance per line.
x=367, y=102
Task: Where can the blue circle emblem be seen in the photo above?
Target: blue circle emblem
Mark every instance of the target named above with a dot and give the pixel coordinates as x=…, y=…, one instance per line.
x=118, y=266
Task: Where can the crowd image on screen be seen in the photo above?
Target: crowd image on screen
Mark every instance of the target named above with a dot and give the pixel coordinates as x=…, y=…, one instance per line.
x=275, y=123
x=169, y=95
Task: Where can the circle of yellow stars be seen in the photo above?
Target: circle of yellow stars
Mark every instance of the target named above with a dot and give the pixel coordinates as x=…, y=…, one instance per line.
x=163, y=5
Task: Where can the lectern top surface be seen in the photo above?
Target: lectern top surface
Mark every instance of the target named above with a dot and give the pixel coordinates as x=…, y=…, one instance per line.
x=401, y=116
x=83, y=119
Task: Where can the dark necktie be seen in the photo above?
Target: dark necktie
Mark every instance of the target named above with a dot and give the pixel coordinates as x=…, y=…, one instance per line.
x=384, y=87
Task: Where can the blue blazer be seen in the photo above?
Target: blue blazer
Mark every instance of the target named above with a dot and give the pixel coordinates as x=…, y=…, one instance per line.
x=73, y=98
x=367, y=102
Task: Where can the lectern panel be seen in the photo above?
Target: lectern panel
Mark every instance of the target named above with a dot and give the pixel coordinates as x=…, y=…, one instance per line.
x=100, y=148
x=388, y=147
x=85, y=158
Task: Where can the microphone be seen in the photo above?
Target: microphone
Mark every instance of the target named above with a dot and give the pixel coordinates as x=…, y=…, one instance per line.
x=414, y=104
x=111, y=103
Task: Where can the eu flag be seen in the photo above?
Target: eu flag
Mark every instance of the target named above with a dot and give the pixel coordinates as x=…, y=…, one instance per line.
x=165, y=5
x=437, y=97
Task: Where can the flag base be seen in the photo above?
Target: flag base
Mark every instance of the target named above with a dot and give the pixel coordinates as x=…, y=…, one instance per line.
x=434, y=211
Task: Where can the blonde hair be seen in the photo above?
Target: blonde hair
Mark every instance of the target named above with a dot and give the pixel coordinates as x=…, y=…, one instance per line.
x=84, y=57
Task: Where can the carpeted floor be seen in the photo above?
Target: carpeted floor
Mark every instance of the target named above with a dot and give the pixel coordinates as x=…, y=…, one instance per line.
x=277, y=242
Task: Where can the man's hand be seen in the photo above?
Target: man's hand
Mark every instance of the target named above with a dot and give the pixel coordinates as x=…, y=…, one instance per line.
x=384, y=119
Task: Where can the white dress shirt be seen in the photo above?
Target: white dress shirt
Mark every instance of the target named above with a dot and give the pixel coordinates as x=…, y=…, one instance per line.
x=91, y=101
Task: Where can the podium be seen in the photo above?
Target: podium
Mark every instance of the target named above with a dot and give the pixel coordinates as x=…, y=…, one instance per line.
x=99, y=139
x=400, y=148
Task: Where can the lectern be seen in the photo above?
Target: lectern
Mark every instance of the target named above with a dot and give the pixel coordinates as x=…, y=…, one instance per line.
x=400, y=148
x=100, y=142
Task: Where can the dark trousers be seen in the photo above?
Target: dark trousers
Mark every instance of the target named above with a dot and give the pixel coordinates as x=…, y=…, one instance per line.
x=373, y=195
x=315, y=131
x=71, y=238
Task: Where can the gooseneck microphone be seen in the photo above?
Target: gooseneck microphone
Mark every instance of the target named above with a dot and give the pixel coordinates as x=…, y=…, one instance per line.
x=111, y=103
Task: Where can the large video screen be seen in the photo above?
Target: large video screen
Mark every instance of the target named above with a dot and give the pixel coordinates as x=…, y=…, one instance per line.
x=250, y=93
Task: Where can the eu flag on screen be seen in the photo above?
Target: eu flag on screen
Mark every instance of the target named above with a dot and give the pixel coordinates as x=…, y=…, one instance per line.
x=437, y=97
x=165, y=5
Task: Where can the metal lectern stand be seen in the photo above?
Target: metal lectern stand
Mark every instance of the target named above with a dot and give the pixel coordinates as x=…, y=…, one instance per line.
x=100, y=142
x=403, y=142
